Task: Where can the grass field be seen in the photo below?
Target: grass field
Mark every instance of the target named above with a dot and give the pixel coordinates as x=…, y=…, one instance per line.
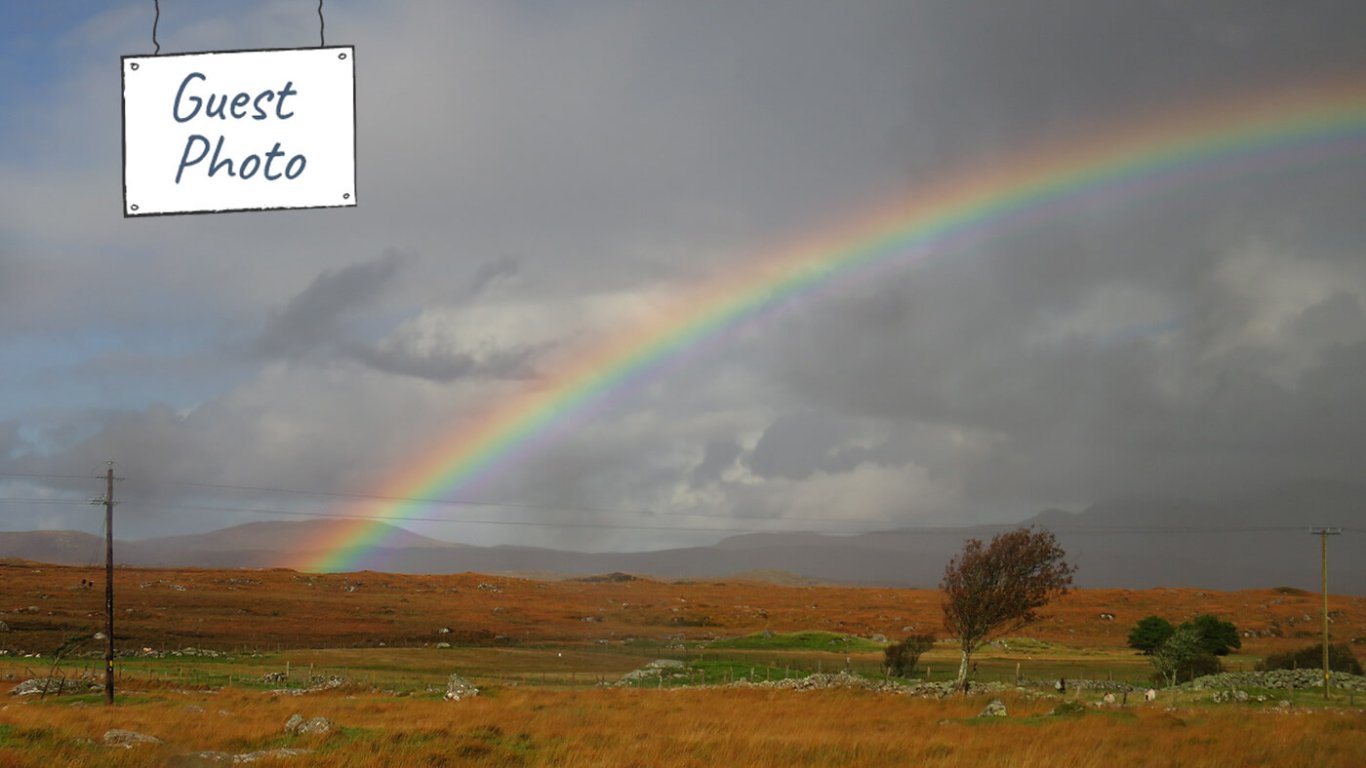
x=542, y=653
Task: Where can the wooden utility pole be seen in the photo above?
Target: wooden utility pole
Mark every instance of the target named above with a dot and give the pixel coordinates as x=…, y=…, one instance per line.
x=1323, y=534
x=109, y=585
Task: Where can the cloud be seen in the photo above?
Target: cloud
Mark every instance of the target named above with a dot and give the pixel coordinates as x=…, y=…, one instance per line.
x=444, y=365
x=490, y=272
x=1196, y=337
x=718, y=456
x=311, y=319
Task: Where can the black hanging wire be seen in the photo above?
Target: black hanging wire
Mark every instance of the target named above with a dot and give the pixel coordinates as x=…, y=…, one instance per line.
x=322, y=26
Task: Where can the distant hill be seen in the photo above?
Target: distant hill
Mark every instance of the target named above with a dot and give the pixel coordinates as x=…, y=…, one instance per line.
x=1254, y=540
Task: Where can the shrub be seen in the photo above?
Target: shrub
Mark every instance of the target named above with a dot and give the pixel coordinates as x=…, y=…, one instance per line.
x=1217, y=637
x=902, y=657
x=1183, y=657
x=1340, y=659
x=1149, y=633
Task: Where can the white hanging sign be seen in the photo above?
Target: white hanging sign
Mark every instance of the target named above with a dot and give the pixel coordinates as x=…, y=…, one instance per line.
x=239, y=131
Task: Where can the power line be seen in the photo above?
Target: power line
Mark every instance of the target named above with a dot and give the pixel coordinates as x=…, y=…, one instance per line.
x=79, y=502
x=38, y=476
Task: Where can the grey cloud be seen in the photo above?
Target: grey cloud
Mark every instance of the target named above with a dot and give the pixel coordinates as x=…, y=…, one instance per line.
x=446, y=365
x=492, y=271
x=796, y=446
x=312, y=324
x=11, y=442
x=717, y=457
x=310, y=319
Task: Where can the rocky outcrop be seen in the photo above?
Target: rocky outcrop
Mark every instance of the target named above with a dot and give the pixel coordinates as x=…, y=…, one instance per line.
x=458, y=688
x=994, y=708
x=117, y=737
x=655, y=671
x=240, y=758
x=54, y=686
x=296, y=725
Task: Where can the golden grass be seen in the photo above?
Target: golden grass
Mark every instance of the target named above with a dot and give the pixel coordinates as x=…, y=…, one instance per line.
x=684, y=727
x=379, y=630
x=274, y=609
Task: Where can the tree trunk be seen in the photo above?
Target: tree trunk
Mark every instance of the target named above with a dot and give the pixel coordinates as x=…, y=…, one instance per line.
x=961, y=685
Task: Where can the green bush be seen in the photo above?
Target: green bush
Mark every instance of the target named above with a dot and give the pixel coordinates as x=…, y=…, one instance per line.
x=902, y=657
x=1340, y=659
x=1149, y=633
x=1183, y=657
x=1216, y=637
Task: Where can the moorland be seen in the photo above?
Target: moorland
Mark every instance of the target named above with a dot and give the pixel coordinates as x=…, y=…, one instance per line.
x=212, y=663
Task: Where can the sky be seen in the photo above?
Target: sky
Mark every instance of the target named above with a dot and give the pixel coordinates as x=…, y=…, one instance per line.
x=535, y=175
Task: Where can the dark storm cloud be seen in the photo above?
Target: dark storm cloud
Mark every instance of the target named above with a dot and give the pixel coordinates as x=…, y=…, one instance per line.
x=312, y=324
x=444, y=365
x=311, y=319
x=717, y=457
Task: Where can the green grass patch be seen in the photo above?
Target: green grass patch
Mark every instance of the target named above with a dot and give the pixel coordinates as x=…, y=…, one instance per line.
x=833, y=642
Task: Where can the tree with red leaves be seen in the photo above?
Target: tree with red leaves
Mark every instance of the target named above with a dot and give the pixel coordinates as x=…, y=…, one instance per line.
x=999, y=587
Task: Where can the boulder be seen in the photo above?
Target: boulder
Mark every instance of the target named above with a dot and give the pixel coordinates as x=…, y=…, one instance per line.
x=298, y=726
x=1068, y=709
x=458, y=688
x=4, y=627
x=995, y=708
x=117, y=737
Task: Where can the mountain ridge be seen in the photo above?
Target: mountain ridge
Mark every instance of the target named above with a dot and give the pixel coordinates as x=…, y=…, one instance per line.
x=1246, y=541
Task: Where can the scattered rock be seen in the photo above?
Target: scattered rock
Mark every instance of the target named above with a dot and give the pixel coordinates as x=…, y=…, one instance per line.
x=54, y=686
x=298, y=726
x=247, y=757
x=444, y=631
x=117, y=737
x=458, y=688
x=1068, y=709
x=443, y=645
x=995, y=708
x=880, y=639
x=4, y=627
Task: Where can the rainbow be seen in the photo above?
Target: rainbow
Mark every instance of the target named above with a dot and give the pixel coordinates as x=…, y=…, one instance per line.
x=1294, y=125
